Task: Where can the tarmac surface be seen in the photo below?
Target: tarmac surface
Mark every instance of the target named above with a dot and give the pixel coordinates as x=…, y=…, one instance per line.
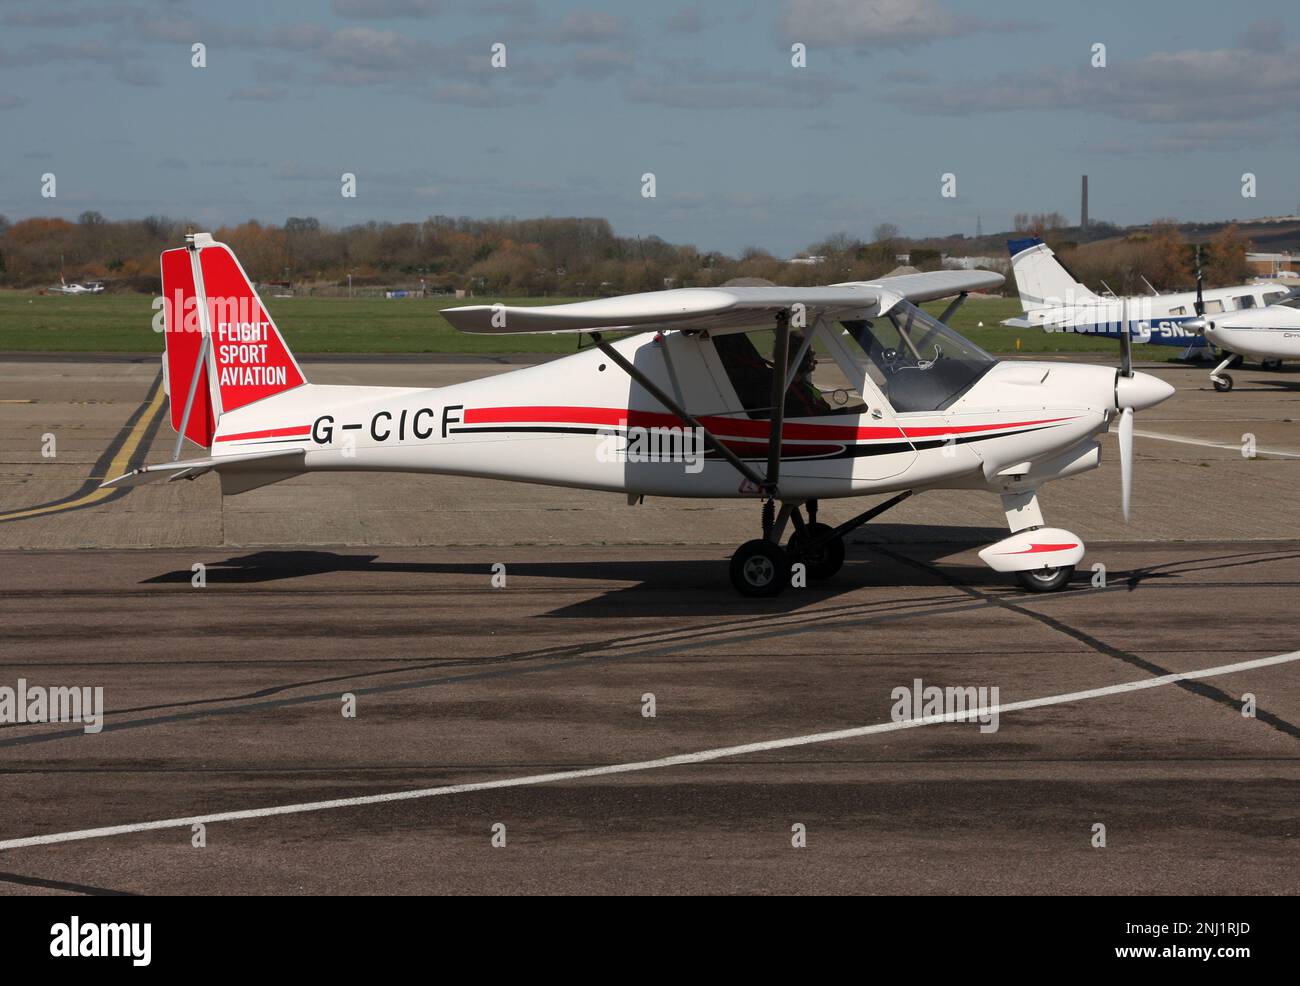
x=229, y=697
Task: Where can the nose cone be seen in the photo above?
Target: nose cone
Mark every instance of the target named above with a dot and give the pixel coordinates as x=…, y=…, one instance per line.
x=1140, y=391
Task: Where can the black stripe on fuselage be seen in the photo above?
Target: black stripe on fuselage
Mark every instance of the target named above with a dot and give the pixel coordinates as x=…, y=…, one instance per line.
x=847, y=452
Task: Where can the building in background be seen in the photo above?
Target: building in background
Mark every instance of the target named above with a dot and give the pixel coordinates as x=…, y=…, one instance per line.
x=1274, y=264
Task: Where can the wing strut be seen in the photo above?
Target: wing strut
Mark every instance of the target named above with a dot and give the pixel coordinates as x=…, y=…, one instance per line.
x=951, y=310
x=780, y=364
x=686, y=417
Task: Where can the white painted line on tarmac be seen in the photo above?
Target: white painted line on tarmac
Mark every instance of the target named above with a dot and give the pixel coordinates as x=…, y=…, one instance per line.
x=681, y=759
x=1230, y=446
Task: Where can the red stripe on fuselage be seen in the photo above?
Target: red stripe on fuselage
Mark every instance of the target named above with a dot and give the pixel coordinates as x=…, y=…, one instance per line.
x=268, y=433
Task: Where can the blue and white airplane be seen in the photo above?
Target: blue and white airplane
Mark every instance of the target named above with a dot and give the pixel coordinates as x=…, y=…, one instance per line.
x=1055, y=301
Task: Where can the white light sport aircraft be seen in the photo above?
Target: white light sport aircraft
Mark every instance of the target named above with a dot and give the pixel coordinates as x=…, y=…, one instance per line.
x=684, y=407
x=1055, y=301
x=1270, y=334
x=93, y=287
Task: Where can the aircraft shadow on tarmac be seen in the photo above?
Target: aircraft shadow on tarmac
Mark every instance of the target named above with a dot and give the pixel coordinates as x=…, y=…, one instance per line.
x=892, y=556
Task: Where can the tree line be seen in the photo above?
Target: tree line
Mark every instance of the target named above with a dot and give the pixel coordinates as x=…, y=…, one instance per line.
x=577, y=257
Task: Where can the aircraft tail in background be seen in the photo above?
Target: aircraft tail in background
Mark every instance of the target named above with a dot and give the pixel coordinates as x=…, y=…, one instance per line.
x=1042, y=280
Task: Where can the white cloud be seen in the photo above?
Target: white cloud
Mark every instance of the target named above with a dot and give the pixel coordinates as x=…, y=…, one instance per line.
x=381, y=9
x=896, y=23
x=1179, y=87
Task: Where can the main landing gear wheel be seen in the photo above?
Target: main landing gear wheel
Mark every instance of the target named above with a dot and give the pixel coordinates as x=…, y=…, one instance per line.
x=1222, y=383
x=823, y=561
x=1045, y=579
x=760, y=568
x=1271, y=364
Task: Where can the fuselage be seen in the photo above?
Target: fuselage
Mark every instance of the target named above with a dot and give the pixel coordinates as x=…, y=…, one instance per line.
x=580, y=421
x=1264, y=333
x=1153, y=319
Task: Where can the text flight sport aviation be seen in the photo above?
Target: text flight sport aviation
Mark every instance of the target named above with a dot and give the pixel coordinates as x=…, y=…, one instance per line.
x=684, y=406
x=1055, y=301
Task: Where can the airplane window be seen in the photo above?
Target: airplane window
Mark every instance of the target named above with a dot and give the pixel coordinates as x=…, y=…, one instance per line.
x=1291, y=299
x=1245, y=301
x=921, y=364
x=814, y=390
x=1180, y=310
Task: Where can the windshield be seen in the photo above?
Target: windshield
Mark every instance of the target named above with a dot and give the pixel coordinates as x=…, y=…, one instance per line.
x=1291, y=299
x=920, y=363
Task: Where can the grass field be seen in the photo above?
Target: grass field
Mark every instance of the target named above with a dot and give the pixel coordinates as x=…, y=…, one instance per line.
x=122, y=323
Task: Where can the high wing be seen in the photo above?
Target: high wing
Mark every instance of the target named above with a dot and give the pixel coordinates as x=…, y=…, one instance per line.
x=714, y=309
x=934, y=284
x=680, y=308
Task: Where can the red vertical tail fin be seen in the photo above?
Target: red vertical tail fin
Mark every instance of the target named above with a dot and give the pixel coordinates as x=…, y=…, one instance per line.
x=223, y=348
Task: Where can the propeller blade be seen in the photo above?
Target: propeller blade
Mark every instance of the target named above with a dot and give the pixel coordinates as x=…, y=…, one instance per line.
x=1200, y=299
x=1126, y=457
x=1125, y=343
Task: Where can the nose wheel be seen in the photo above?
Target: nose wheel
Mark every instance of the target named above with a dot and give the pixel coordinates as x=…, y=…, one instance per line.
x=1222, y=382
x=1045, y=579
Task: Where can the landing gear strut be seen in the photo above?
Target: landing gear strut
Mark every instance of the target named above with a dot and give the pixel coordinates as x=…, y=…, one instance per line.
x=1222, y=381
x=819, y=547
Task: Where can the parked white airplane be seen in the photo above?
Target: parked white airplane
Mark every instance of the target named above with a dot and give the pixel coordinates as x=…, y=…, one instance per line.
x=1269, y=334
x=92, y=287
x=1055, y=301
x=684, y=407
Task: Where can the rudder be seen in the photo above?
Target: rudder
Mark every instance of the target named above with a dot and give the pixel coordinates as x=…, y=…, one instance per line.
x=1042, y=280
x=222, y=346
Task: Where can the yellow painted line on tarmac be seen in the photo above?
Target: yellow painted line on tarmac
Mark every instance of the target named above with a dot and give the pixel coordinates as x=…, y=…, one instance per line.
x=116, y=468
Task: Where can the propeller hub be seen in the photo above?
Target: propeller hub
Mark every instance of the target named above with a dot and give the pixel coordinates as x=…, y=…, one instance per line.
x=1140, y=391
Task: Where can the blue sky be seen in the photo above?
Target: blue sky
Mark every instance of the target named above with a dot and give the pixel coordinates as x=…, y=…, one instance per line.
x=746, y=149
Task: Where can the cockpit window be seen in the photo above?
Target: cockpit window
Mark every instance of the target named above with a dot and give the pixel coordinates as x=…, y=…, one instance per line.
x=920, y=363
x=1291, y=299
x=815, y=389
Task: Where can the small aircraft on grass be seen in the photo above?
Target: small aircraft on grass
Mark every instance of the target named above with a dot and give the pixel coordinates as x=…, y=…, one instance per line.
x=673, y=399
x=90, y=287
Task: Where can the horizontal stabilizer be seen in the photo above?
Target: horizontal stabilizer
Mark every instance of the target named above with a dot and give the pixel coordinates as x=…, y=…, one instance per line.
x=284, y=460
